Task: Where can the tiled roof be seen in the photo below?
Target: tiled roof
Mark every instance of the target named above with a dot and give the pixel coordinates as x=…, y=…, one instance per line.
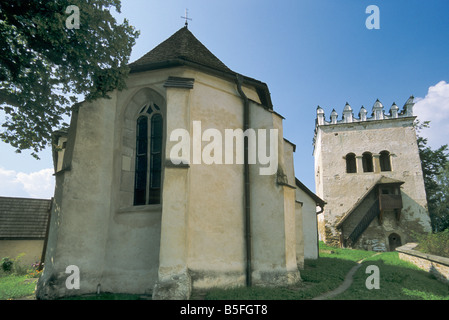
x=184, y=49
x=182, y=45
x=23, y=218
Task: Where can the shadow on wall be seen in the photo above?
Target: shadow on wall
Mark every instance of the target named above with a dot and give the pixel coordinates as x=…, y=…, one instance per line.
x=390, y=230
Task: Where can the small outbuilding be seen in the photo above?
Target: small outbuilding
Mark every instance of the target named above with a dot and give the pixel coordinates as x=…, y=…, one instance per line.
x=310, y=206
x=23, y=227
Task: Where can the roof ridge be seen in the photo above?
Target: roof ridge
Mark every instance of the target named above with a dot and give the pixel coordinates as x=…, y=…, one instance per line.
x=182, y=45
x=183, y=49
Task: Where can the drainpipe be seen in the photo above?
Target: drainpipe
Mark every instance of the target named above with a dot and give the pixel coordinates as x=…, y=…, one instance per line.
x=247, y=185
x=317, y=236
x=47, y=232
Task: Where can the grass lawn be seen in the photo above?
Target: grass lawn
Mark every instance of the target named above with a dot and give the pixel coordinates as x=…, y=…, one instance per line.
x=399, y=280
x=315, y=271
x=13, y=286
x=319, y=276
x=106, y=296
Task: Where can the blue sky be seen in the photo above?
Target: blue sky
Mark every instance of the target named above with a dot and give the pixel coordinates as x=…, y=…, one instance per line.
x=310, y=53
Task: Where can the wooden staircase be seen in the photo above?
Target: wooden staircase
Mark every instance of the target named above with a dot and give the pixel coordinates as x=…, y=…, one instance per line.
x=363, y=224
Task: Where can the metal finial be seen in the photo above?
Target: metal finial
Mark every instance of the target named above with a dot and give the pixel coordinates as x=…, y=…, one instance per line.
x=187, y=17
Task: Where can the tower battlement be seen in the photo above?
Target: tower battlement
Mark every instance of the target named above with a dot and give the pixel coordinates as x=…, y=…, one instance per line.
x=377, y=113
x=368, y=170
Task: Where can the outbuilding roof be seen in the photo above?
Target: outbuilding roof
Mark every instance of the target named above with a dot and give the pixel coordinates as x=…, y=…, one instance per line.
x=320, y=202
x=23, y=218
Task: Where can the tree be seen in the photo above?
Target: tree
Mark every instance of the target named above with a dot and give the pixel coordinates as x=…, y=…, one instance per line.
x=46, y=66
x=440, y=208
x=435, y=164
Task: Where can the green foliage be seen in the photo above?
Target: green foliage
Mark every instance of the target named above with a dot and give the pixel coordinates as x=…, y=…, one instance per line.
x=434, y=243
x=392, y=258
x=13, y=287
x=398, y=280
x=18, y=267
x=105, y=296
x=343, y=253
x=7, y=264
x=439, y=205
x=318, y=277
x=46, y=67
x=435, y=166
x=16, y=279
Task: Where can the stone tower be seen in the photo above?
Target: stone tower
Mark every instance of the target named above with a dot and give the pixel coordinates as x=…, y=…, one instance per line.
x=368, y=170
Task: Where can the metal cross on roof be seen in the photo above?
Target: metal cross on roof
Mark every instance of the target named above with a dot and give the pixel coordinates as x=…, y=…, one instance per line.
x=187, y=17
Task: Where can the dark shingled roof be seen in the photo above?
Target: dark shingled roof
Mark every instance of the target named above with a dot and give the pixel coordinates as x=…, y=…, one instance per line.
x=182, y=45
x=23, y=218
x=183, y=49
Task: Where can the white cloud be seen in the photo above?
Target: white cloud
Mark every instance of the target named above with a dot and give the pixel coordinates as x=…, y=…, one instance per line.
x=38, y=184
x=434, y=107
x=9, y=186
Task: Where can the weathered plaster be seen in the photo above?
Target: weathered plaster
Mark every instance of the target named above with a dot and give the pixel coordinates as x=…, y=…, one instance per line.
x=341, y=190
x=198, y=229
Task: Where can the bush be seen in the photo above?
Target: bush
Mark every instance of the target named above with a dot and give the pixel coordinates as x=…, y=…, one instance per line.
x=19, y=268
x=435, y=243
x=34, y=272
x=15, y=266
x=7, y=264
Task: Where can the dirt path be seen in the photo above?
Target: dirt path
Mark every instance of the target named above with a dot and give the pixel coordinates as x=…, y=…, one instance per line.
x=346, y=283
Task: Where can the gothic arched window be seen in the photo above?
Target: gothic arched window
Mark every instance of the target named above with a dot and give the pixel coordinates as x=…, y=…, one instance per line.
x=367, y=161
x=149, y=134
x=385, y=162
x=351, y=166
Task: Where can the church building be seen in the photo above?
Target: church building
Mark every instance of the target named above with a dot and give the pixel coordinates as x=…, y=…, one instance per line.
x=182, y=181
x=368, y=170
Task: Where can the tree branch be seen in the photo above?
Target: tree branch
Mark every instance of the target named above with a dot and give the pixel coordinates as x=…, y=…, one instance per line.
x=8, y=98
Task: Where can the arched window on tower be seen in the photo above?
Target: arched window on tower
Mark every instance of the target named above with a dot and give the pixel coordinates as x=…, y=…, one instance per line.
x=367, y=161
x=149, y=134
x=351, y=166
x=385, y=161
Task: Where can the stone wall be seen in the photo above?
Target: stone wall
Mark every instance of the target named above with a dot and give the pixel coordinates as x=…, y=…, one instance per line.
x=438, y=266
x=341, y=189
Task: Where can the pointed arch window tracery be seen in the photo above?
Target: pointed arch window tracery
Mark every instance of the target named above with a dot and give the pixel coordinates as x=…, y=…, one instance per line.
x=149, y=138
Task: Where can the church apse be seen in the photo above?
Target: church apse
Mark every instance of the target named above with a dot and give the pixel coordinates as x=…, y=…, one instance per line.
x=136, y=214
